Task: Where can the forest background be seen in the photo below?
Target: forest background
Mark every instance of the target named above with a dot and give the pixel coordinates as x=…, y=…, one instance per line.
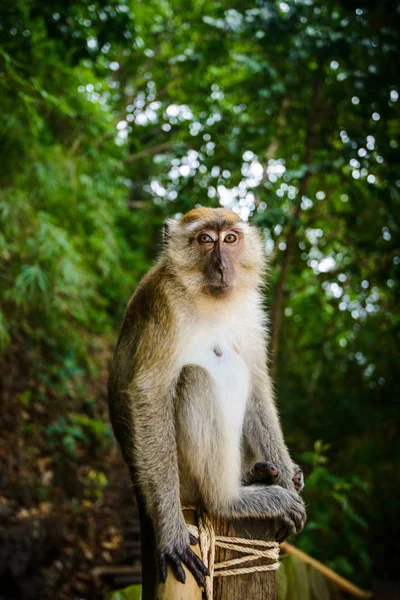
x=116, y=114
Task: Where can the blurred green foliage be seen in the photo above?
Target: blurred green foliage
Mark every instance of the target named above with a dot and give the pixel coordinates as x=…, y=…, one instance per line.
x=297, y=581
x=133, y=592
x=335, y=519
x=116, y=114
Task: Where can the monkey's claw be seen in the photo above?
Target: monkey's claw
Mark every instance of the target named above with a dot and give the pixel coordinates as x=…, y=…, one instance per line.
x=182, y=554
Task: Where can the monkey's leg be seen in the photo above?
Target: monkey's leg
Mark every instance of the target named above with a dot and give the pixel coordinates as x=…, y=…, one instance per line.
x=156, y=469
x=208, y=442
x=210, y=453
x=263, y=434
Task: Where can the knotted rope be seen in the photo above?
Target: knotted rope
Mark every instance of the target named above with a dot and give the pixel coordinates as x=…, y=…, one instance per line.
x=208, y=541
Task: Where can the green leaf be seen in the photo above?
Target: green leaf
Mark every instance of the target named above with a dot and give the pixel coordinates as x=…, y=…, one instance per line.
x=31, y=279
x=69, y=444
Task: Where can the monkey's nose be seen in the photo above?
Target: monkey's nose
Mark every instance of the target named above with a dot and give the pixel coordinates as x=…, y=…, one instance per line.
x=222, y=269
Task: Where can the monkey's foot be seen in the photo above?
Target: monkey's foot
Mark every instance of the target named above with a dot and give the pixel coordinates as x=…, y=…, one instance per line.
x=298, y=479
x=262, y=472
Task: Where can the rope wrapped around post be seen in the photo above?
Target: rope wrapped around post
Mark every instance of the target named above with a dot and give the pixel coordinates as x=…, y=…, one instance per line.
x=252, y=549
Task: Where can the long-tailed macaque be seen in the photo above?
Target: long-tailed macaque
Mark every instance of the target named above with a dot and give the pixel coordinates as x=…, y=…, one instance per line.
x=191, y=400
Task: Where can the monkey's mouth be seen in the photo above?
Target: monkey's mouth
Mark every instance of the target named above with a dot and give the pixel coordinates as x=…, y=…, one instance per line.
x=219, y=289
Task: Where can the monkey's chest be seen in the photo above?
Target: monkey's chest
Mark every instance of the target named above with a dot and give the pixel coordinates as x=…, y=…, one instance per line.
x=220, y=356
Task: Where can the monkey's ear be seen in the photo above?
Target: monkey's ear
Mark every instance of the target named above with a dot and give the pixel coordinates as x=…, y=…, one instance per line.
x=170, y=228
x=166, y=233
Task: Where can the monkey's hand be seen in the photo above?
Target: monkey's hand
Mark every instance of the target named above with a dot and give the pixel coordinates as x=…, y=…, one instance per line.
x=292, y=513
x=180, y=552
x=290, y=476
x=298, y=479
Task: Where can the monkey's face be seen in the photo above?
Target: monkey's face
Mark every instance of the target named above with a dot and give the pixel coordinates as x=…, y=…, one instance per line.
x=214, y=252
x=219, y=251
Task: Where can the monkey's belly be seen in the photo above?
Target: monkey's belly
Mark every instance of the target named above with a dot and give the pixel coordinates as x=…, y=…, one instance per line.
x=212, y=414
x=230, y=374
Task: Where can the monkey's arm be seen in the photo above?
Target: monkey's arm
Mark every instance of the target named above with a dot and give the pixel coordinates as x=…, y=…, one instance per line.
x=142, y=413
x=156, y=468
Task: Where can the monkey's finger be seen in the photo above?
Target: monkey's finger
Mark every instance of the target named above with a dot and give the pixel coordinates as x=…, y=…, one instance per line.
x=197, y=575
x=176, y=565
x=297, y=515
x=162, y=563
x=199, y=563
x=195, y=566
x=295, y=508
x=193, y=539
x=287, y=528
x=194, y=571
x=281, y=534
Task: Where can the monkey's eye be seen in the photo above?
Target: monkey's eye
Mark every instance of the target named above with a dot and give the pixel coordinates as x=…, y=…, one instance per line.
x=205, y=239
x=230, y=238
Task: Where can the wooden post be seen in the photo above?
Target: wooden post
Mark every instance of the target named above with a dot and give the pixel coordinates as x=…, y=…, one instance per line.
x=255, y=586
x=173, y=589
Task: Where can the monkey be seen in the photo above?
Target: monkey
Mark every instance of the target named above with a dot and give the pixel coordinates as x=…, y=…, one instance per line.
x=191, y=400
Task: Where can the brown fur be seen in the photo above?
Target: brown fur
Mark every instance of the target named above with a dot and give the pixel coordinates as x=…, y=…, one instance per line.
x=210, y=214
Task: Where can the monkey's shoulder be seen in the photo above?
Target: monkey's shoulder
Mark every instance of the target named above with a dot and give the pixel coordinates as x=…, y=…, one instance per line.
x=147, y=331
x=151, y=307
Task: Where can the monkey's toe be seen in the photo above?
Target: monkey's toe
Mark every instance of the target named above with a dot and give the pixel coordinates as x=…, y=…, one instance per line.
x=298, y=479
x=265, y=468
x=263, y=472
x=273, y=470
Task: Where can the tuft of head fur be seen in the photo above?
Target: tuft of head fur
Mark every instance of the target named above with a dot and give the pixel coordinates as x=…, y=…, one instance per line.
x=207, y=215
x=182, y=256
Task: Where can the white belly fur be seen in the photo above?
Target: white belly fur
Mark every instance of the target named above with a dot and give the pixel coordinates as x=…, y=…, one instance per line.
x=231, y=378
